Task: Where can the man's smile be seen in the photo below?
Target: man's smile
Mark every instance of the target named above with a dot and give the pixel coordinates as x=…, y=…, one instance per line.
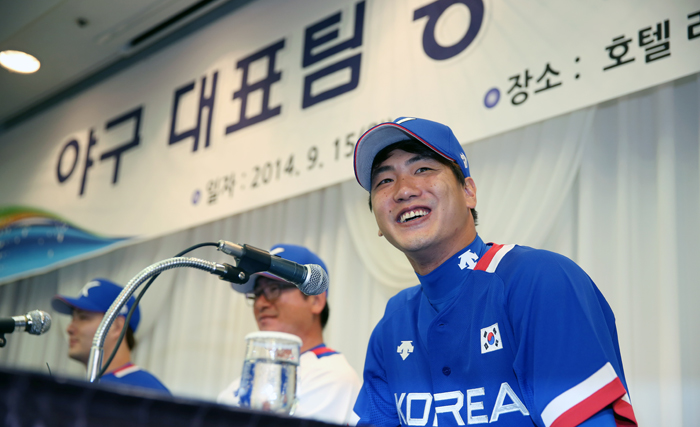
x=412, y=214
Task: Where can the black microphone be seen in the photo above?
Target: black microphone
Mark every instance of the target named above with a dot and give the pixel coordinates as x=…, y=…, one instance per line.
x=35, y=322
x=311, y=279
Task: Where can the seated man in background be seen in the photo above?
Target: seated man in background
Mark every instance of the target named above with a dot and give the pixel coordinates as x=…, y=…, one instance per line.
x=327, y=385
x=87, y=311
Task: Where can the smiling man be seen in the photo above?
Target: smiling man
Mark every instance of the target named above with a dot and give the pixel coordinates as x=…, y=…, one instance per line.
x=501, y=334
x=327, y=385
x=87, y=311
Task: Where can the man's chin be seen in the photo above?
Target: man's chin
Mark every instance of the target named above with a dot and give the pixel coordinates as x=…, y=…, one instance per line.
x=268, y=324
x=412, y=244
x=78, y=357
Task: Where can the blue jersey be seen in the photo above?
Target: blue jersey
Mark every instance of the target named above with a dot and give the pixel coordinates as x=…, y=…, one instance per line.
x=497, y=334
x=133, y=376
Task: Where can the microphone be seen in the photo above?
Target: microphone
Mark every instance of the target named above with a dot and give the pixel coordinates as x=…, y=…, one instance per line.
x=35, y=322
x=311, y=279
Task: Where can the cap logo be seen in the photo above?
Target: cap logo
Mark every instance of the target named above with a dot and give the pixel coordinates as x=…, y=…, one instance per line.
x=404, y=120
x=276, y=251
x=87, y=287
x=464, y=159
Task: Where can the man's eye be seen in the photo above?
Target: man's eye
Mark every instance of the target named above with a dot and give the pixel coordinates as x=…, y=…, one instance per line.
x=423, y=169
x=383, y=181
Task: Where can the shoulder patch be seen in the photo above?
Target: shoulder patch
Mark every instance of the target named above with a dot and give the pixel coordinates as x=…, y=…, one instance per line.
x=489, y=262
x=490, y=339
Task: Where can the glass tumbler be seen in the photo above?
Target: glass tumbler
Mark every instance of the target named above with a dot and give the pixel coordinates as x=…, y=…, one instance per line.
x=269, y=379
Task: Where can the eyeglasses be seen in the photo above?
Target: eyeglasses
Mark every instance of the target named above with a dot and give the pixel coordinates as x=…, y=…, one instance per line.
x=271, y=291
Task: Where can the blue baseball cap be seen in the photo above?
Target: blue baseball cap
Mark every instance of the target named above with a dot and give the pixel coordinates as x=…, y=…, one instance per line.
x=433, y=135
x=298, y=254
x=97, y=296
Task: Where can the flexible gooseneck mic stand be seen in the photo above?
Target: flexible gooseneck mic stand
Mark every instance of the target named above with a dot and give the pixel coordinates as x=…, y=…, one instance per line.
x=311, y=280
x=224, y=271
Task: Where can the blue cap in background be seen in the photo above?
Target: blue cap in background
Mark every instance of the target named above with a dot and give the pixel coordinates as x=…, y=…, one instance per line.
x=97, y=296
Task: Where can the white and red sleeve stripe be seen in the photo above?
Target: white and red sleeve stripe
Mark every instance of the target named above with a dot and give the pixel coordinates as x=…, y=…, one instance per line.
x=490, y=260
x=590, y=396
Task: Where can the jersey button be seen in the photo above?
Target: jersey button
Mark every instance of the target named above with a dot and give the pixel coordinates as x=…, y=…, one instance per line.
x=446, y=370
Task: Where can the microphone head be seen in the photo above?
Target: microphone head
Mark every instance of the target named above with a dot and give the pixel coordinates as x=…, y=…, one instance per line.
x=40, y=322
x=316, y=280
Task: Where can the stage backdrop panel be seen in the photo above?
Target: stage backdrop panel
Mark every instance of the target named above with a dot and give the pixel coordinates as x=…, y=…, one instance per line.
x=267, y=103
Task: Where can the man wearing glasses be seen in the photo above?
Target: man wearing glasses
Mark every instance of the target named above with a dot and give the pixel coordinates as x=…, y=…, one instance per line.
x=328, y=385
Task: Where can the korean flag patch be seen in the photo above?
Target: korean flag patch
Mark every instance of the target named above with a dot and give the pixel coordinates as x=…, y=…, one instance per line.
x=491, y=339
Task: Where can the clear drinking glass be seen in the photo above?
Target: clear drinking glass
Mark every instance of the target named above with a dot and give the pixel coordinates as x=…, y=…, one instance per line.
x=269, y=380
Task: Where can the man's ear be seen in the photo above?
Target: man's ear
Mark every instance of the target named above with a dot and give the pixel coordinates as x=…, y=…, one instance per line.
x=470, y=191
x=116, y=327
x=318, y=302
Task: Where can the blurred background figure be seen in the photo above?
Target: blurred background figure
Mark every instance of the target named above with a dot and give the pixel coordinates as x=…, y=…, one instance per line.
x=87, y=311
x=328, y=385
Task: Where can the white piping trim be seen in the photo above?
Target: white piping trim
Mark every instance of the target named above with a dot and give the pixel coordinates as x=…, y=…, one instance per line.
x=127, y=371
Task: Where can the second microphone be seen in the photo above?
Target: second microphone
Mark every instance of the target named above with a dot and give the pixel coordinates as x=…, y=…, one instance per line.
x=311, y=279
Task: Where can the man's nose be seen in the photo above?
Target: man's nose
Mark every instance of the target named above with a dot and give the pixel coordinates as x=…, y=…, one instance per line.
x=406, y=188
x=261, y=302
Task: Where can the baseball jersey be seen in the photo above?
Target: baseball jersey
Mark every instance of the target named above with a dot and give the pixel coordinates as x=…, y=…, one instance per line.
x=133, y=376
x=507, y=335
x=327, y=386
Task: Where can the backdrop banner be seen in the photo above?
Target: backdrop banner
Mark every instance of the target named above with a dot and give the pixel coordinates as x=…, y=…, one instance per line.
x=266, y=103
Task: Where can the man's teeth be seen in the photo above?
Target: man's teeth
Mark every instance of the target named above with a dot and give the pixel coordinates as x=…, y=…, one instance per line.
x=407, y=216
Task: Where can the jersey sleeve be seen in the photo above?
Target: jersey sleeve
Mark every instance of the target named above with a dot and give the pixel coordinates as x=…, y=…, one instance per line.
x=567, y=357
x=327, y=390
x=372, y=406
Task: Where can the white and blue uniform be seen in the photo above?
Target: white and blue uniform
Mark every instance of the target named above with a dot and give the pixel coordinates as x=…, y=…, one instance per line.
x=133, y=376
x=497, y=334
x=327, y=387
